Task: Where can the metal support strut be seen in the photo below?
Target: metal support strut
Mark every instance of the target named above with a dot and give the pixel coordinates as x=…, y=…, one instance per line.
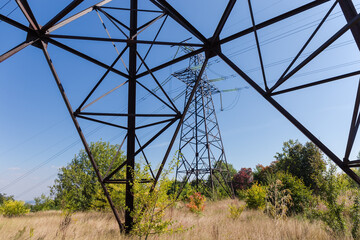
x=40, y=36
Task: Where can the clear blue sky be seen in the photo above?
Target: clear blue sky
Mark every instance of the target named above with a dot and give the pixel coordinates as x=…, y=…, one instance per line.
x=37, y=132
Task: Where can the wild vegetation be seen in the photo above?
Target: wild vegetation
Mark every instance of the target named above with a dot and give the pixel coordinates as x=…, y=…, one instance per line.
x=298, y=196
x=213, y=223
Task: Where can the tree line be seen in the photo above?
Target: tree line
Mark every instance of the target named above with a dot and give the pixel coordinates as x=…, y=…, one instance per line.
x=296, y=183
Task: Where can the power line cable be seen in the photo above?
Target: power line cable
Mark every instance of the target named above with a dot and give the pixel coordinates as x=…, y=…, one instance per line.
x=42, y=182
x=231, y=106
x=64, y=150
x=10, y=13
x=282, y=35
x=32, y=137
x=5, y=4
x=233, y=53
x=53, y=157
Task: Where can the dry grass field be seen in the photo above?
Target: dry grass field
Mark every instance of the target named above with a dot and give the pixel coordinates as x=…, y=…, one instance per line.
x=214, y=223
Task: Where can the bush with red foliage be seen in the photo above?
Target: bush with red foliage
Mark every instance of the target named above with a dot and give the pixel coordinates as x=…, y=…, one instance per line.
x=243, y=179
x=196, y=203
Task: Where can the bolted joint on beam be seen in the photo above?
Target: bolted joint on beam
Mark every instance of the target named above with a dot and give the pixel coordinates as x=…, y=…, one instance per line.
x=76, y=113
x=35, y=35
x=213, y=47
x=130, y=42
x=178, y=115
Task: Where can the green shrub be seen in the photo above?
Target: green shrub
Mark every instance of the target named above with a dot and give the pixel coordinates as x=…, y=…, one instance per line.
x=76, y=187
x=300, y=194
x=355, y=218
x=261, y=173
x=334, y=215
x=150, y=206
x=12, y=208
x=278, y=200
x=255, y=197
x=235, y=211
x=334, y=219
x=241, y=194
x=186, y=190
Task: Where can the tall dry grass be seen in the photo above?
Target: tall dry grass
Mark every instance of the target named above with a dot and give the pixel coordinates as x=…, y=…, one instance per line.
x=214, y=223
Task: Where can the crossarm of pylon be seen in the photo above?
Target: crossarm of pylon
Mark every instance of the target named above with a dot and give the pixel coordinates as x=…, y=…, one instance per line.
x=86, y=57
x=72, y=18
x=146, y=25
x=146, y=160
x=16, y=49
x=332, y=39
x=105, y=94
x=26, y=10
x=273, y=20
x=157, y=82
x=102, y=122
x=152, y=44
x=327, y=80
x=155, y=136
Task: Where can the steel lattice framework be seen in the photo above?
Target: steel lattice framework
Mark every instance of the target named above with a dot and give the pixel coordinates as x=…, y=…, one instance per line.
x=202, y=159
x=41, y=36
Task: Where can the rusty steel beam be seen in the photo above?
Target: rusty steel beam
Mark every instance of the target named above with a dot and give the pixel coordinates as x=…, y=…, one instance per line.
x=79, y=131
x=41, y=36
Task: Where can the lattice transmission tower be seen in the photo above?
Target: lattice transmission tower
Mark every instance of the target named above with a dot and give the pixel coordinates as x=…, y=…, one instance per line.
x=201, y=154
x=143, y=42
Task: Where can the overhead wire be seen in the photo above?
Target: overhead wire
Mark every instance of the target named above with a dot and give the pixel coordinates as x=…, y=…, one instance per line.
x=282, y=35
x=234, y=54
x=73, y=144
x=76, y=142
x=13, y=10
x=67, y=148
x=32, y=137
x=278, y=37
x=40, y=183
x=286, y=34
x=5, y=4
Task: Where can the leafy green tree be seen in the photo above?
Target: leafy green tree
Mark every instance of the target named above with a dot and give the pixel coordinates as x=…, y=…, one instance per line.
x=4, y=198
x=261, y=174
x=43, y=203
x=303, y=161
x=77, y=187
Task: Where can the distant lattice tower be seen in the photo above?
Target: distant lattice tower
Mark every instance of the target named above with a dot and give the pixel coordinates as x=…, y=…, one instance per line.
x=201, y=155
